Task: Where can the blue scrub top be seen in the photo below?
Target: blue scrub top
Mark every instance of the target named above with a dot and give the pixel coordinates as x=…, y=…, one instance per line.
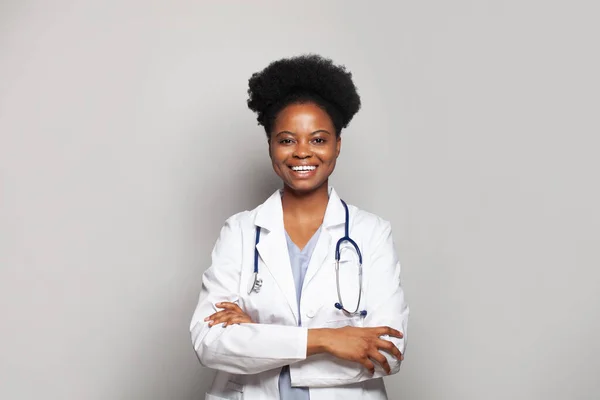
x=299, y=259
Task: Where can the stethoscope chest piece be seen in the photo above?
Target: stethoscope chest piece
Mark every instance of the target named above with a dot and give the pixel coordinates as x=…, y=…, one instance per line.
x=255, y=284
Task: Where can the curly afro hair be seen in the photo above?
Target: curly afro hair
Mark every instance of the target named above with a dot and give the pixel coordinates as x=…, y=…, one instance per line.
x=301, y=79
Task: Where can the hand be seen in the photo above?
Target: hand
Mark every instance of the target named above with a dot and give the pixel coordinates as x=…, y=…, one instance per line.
x=231, y=314
x=361, y=345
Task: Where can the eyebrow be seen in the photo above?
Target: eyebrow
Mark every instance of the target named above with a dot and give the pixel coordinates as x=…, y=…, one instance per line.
x=313, y=133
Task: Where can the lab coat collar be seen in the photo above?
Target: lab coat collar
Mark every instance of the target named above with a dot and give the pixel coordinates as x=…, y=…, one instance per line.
x=273, y=248
x=270, y=214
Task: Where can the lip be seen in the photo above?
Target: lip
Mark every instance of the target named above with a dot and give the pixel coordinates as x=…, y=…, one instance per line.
x=303, y=174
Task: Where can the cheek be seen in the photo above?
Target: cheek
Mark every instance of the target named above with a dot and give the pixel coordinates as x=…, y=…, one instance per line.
x=328, y=155
x=278, y=157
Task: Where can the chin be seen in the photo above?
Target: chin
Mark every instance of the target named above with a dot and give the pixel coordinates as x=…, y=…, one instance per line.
x=305, y=187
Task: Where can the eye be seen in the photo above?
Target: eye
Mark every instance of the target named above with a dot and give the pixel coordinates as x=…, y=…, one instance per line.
x=319, y=140
x=286, y=141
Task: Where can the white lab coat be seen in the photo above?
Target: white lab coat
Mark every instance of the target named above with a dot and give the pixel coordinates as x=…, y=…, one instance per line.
x=249, y=357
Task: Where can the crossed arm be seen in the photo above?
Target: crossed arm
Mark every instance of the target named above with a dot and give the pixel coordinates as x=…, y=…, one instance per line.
x=244, y=347
x=360, y=345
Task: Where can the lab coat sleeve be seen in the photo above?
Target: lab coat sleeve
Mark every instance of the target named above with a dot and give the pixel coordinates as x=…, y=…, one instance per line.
x=386, y=307
x=244, y=348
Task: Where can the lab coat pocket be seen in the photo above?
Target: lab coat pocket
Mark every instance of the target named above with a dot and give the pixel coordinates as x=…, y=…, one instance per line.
x=347, y=321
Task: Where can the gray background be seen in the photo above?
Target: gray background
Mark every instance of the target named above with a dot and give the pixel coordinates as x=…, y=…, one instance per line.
x=126, y=143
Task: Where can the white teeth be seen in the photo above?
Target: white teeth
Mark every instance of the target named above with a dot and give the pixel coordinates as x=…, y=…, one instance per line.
x=304, y=168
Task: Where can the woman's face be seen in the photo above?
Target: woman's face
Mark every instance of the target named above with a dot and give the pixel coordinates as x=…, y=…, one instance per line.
x=303, y=147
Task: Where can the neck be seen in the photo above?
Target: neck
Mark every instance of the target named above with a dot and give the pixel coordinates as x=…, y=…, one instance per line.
x=305, y=204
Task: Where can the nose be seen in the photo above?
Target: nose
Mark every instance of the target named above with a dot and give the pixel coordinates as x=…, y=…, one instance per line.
x=302, y=150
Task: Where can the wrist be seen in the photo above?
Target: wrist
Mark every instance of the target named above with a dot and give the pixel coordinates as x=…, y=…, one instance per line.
x=317, y=341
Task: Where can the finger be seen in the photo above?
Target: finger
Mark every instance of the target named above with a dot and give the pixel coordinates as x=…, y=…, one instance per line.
x=232, y=317
x=386, y=330
x=227, y=309
x=368, y=365
x=222, y=317
x=236, y=319
x=216, y=315
x=389, y=347
x=381, y=360
x=212, y=316
x=228, y=306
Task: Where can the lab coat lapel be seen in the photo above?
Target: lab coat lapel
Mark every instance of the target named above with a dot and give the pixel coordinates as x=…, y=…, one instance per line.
x=273, y=249
x=335, y=215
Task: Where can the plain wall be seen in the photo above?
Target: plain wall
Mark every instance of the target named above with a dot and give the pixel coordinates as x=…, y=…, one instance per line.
x=126, y=143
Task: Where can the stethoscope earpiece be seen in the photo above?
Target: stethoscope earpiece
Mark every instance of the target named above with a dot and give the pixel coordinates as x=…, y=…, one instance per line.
x=362, y=313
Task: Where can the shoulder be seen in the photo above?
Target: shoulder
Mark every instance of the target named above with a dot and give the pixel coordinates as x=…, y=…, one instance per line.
x=247, y=219
x=243, y=219
x=373, y=232
x=240, y=219
x=369, y=223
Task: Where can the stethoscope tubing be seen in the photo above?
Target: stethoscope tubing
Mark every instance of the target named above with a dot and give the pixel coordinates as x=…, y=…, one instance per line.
x=257, y=282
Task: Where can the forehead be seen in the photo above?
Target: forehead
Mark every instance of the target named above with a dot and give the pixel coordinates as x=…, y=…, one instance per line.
x=302, y=117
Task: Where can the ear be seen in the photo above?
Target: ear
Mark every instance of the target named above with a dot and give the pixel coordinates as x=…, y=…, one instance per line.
x=338, y=146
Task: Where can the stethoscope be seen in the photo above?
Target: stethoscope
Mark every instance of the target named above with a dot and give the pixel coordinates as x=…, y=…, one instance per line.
x=256, y=282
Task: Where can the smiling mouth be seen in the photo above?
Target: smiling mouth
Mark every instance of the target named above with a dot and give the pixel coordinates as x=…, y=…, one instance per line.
x=303, y=168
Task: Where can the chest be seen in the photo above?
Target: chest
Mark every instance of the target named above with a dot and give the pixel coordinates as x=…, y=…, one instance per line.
x=301, y=233
x=278, y=301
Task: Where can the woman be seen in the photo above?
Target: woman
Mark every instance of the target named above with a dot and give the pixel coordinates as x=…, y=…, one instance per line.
x=284, y=332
